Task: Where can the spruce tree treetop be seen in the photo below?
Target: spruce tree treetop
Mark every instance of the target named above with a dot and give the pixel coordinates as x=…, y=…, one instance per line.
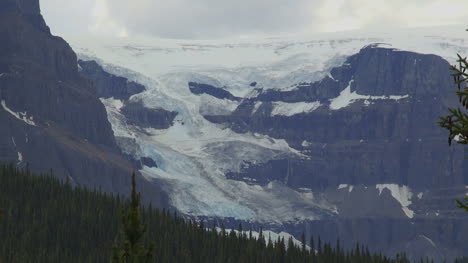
x=132, y=248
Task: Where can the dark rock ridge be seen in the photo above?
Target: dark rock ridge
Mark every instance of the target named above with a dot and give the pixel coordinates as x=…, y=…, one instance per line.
x=51, y=117
x=148, y=162
x=197, y=88
x=137, y=114
x=108, y=85
x=383, y=71
x=29, y=10
x=322, y=91
x=120, y=88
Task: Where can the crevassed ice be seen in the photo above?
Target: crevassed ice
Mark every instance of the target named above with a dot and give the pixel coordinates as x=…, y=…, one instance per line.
x=194, y=154
x=210, y=105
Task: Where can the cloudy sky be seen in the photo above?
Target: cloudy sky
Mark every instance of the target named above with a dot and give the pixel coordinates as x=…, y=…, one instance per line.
x=208, y=19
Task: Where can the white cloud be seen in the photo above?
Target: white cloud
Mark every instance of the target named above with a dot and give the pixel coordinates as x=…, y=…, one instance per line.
x=103, y=23
x=65, y=16
x=220, y=18
x=340, y=15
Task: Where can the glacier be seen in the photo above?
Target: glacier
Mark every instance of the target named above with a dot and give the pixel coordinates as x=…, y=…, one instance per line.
x=194, y=155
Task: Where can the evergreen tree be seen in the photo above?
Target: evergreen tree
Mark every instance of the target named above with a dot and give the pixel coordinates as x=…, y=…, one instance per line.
x=457, y=121
x=132, y=249
x=45, y=220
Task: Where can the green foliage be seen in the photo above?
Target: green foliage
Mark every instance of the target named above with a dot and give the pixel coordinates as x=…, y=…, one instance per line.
x=132, y=248
x=457, y=121
x=45, y=220
x=463, y=205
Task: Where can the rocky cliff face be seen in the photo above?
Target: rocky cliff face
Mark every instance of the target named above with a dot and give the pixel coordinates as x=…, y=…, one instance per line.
x=371, y=122
x=29, y=10
x=51, y=117
x=392, y=100
x=120, y=88
x=108, y=85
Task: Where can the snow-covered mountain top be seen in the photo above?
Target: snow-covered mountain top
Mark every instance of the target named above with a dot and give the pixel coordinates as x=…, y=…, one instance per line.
x=164, y=55
x=273, y=62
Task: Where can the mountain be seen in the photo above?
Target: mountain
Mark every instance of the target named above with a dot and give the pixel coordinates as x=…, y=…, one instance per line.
x=334, y=135
x=51, y=117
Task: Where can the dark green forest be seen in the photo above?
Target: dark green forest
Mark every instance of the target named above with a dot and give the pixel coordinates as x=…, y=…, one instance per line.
x=46, y=220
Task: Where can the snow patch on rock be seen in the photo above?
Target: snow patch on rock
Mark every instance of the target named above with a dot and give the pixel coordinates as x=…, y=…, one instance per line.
x=402, y=194
x=290, y=109
x=210, y=105
x=23, y=116
x=267, y=236
x=341, y=186
x=428, y=240
x=256, y=106
x=347, y=97
x=344, y=186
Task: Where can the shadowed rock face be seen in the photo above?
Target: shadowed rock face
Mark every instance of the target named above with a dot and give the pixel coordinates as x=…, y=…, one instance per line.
x=28, y=9
x=108, y=85
x=318, y=91
x=51, y=117
x=137, y=114
x=120, y=88
x=197, y=88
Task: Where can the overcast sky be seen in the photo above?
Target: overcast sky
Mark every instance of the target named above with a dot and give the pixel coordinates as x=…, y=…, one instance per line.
x=208, y=19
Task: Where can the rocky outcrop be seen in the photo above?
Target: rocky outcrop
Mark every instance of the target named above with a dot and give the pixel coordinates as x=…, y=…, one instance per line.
x=322, y=91
x=51, y=117
x=137, y=114
x=197, y=88
x=120, y=88
x=108, y=85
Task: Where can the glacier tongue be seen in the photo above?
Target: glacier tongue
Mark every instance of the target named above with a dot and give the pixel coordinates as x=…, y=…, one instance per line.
x=194, y=154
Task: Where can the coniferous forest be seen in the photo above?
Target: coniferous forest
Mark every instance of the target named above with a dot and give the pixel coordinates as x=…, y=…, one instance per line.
x=45, y=220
